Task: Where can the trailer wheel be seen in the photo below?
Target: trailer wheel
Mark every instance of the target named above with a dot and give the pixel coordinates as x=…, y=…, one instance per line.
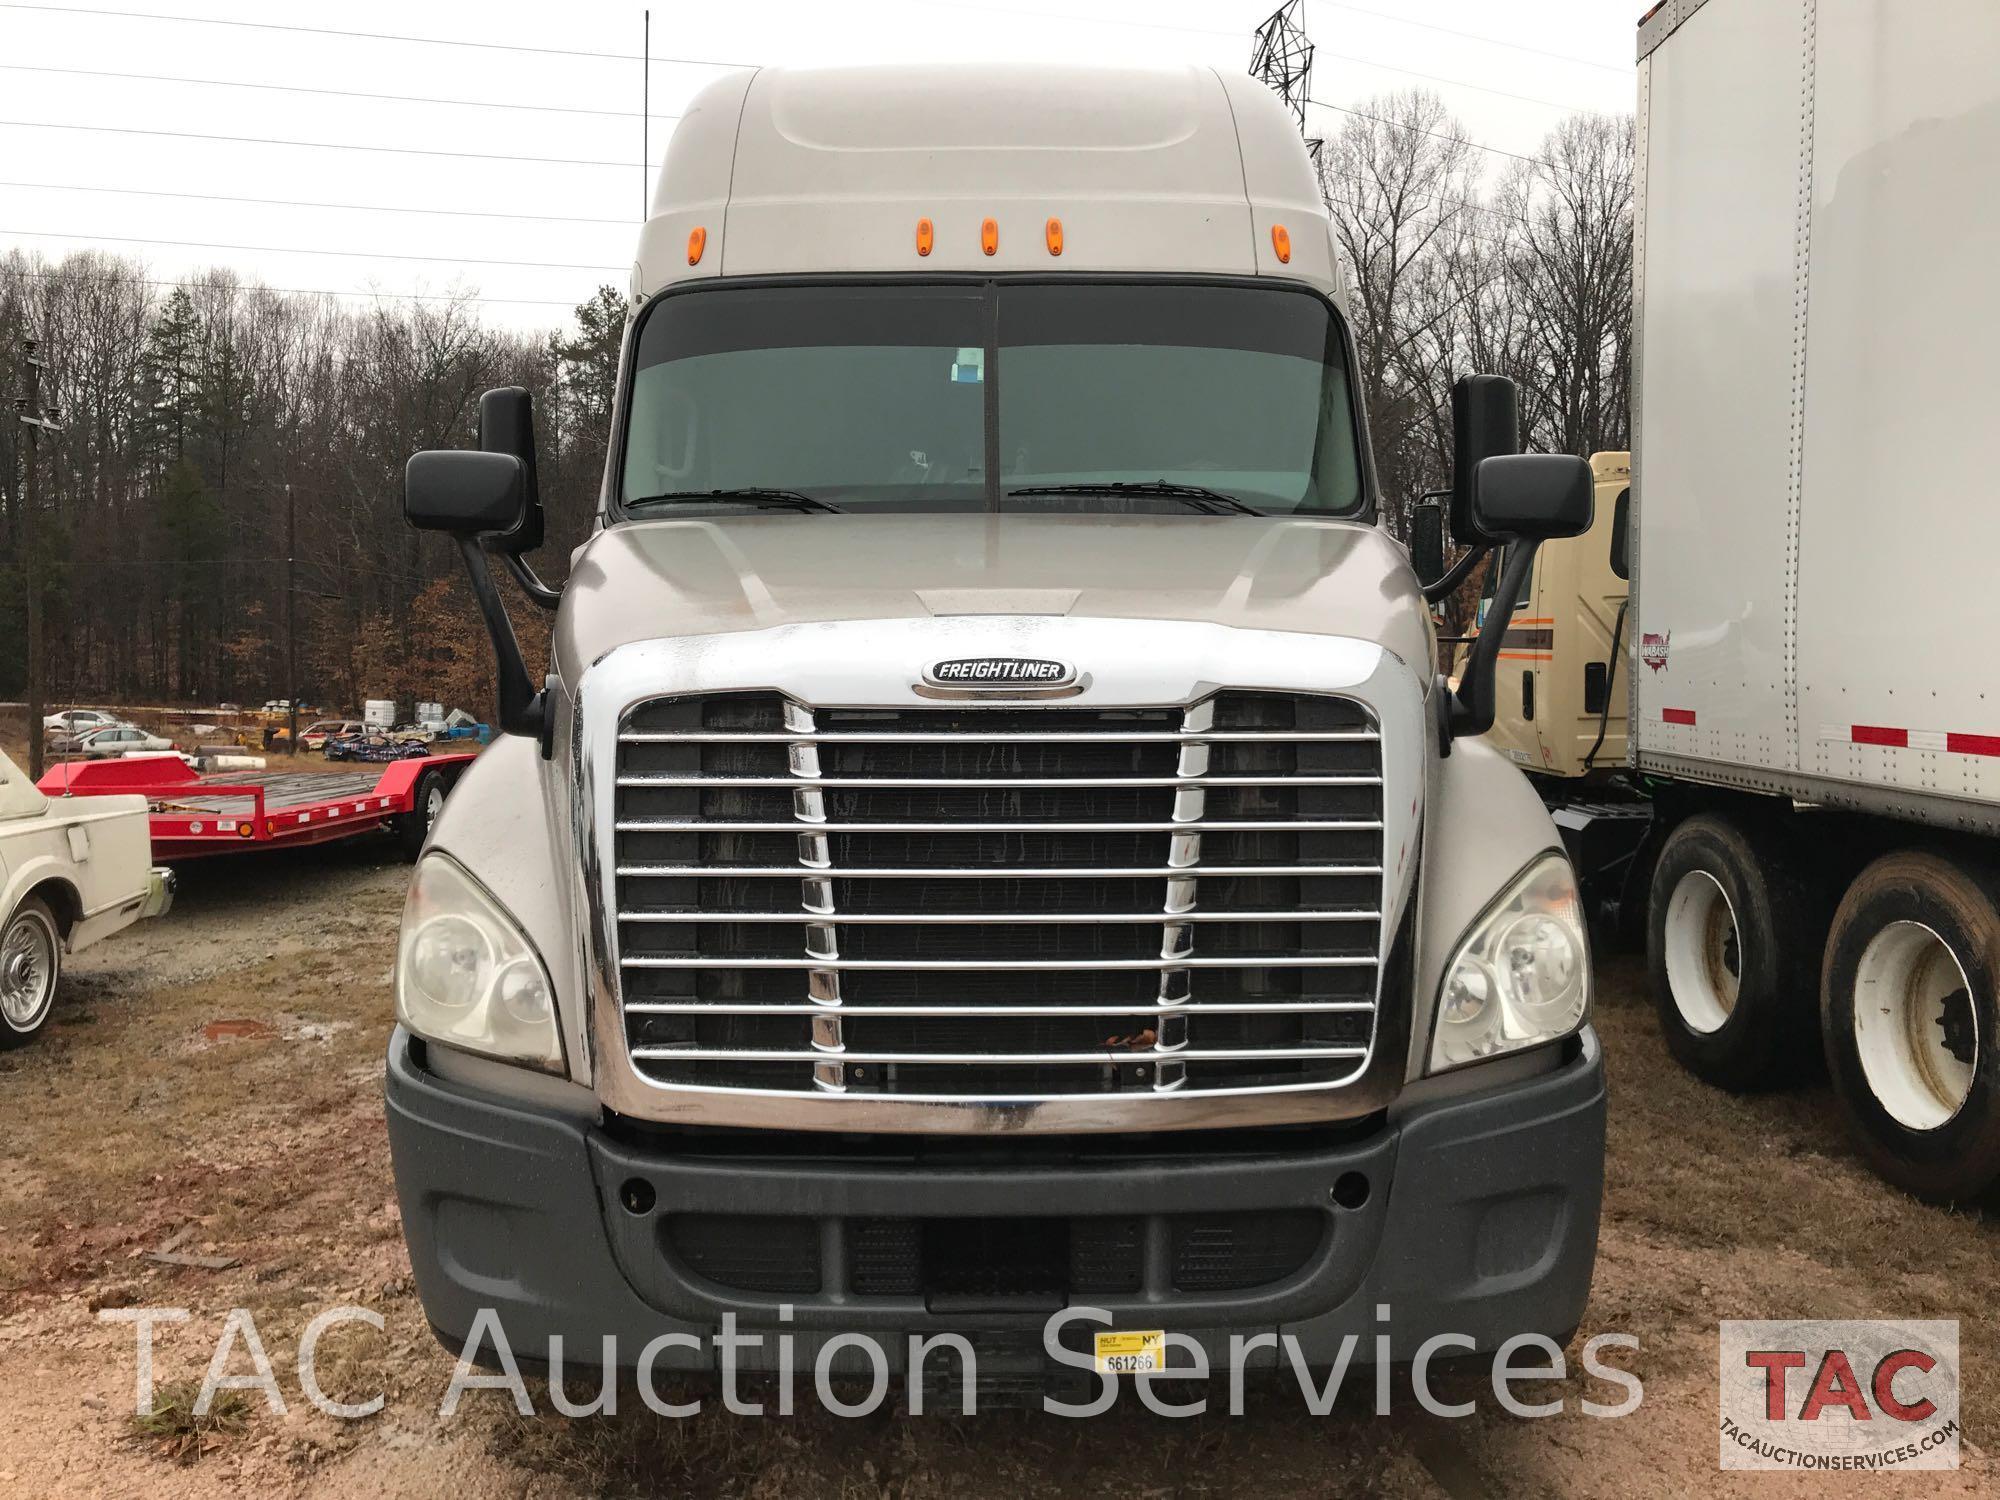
x=415, y=825
x=1907, y=1013
x=1730, y=951
x=30, y=964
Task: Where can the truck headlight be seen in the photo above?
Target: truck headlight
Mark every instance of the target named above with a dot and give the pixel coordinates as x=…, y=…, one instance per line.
x=1522, y=975
x=467, y=976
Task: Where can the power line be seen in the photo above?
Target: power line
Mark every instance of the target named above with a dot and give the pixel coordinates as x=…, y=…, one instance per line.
x=258, y=140
x=1459, y=83
x=1436, y=135
x=296, y=88
x=1050, y=15
x=1473, y=36
x=1571, y=174
x=455, y=260
x=380, y=208
x=368, y=36
x=292, y=291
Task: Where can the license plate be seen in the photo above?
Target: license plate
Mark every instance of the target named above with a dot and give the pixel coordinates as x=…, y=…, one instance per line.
x=1138, y=1351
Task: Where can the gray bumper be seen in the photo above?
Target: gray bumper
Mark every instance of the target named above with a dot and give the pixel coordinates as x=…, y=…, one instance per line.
x=160, y=887
x=1480, y=1220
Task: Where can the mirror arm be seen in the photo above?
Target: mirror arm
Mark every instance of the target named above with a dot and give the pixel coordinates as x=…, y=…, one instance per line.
x=531, y=583
x=522, y=709
x=1455, y=574
x=1472, y=706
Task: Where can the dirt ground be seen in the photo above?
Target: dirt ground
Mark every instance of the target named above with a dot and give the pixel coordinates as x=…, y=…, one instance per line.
x=134, y=1119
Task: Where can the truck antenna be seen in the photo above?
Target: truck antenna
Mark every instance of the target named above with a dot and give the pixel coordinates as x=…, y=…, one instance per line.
x=645, y=110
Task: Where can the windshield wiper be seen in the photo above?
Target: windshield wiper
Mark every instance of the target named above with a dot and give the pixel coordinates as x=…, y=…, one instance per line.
x=1214, y=502
x=746, y=494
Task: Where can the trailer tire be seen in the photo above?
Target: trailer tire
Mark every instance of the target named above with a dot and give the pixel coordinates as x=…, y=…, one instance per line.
x=1908, y=1018
x=425, y=804
x=1731, y=947
x=31, y=947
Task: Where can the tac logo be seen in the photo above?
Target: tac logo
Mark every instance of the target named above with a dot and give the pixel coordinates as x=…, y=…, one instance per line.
x=1839, y=1395
x=1653, y=648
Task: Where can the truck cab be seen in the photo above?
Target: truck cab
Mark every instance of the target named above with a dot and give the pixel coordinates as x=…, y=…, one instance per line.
x=1560, y=707
x=989, y=845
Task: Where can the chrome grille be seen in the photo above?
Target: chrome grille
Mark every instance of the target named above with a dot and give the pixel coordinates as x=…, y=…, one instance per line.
x=986, y=903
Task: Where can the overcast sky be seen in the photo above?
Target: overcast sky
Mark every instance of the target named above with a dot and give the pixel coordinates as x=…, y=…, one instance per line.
x=1509, y=72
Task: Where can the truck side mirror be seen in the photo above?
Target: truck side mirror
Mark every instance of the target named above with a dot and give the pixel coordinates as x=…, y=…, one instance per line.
x=1523, y=499
x=1485, y=423
x=1532, y=496
x=507, y=425
x=466, y=494
x=1427, y=542
x=472, y=497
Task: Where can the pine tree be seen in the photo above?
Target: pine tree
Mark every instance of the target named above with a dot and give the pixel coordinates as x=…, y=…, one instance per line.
x=169, y=372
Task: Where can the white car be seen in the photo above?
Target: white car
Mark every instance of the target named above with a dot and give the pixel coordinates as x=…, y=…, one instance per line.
x=72, y=872
x=79, y=721
x=121, y=739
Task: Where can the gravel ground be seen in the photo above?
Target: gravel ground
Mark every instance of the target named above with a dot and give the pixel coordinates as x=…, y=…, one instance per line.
x=136, y=1119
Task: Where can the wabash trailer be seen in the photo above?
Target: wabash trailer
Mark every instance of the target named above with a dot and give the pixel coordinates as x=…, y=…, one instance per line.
x=1813, y=616
x=238, y=812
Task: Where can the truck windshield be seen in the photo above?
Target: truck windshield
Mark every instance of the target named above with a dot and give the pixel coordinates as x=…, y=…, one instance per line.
x=1151, y=398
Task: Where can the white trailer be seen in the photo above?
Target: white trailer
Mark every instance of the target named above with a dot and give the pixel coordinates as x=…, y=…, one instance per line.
x=1811, y=663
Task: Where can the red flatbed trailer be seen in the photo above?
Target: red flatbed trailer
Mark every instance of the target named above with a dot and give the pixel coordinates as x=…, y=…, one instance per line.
x=237, y=812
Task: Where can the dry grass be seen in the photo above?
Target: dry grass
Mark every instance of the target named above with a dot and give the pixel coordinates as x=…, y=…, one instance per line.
x=176, y=1432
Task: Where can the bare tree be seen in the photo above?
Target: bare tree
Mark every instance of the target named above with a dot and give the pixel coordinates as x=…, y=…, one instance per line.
x=1398, y=179
x=1572, y=208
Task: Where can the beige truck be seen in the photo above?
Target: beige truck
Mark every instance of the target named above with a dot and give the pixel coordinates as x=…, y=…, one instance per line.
x=1561, y=684
x=72, y=872
x=1560, y=707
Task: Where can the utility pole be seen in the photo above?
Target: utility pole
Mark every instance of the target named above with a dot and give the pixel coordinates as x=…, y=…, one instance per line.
x=645, y=114
x=1282, y=60
x=37, y=421
x=291, y=619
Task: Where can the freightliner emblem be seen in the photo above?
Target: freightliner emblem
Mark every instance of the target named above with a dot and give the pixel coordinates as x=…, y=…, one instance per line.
x=1000, y=673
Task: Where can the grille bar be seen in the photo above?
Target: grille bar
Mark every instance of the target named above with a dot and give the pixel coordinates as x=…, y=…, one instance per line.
x=999, y=784
x=731, y=825
x=1000, y=965
x=1042, y=737
x=818, y=1055
x=1158, y=1008
x=948, y=872
x=986, y=919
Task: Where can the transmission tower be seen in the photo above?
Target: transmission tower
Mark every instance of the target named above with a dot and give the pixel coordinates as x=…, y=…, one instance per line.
x=1283, y=62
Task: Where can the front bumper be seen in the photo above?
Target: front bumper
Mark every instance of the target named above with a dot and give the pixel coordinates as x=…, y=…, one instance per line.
x=1480, y=1219
x=160, y=888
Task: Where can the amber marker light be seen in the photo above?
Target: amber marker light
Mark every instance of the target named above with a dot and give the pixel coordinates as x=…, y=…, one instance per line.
x=924, y=236
x=1053, y=234
x=989, y=237
x=1281, y=242
x=697, y=242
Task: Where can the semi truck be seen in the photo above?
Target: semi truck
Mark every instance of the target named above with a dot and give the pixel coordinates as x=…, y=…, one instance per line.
x=1811, y=607
x=1805, y=829
x=989, y=844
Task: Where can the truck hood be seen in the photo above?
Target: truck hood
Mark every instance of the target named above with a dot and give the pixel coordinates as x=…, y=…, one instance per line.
x=655, y=579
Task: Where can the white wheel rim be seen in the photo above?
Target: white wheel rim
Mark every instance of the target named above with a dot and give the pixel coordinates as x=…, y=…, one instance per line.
x=27, y=970
x=1704, y=952
x=433, y=805
x=1915, y=1028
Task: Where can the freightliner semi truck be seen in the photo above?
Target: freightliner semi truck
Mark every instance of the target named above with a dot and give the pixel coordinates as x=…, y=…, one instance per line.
x=990, y=840
x=1814, y=733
